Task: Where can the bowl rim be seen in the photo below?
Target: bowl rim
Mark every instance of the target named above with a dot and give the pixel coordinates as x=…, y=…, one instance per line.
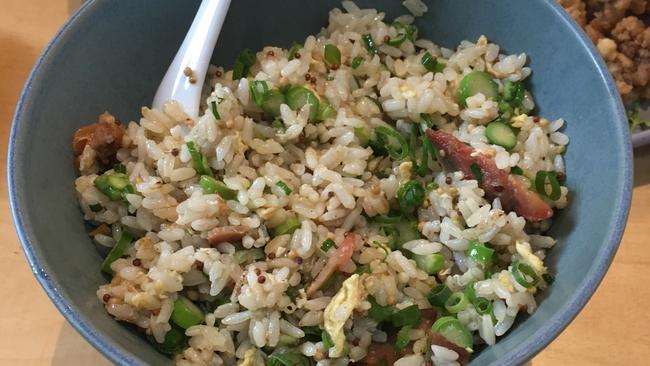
x=527, y=349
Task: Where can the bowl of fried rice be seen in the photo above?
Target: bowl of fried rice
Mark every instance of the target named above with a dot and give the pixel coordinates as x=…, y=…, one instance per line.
x=367, y=183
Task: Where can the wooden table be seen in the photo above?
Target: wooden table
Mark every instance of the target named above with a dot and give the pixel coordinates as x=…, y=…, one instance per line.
x=32, y=332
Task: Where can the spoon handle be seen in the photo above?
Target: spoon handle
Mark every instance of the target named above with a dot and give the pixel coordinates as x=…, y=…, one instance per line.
x=194, y=56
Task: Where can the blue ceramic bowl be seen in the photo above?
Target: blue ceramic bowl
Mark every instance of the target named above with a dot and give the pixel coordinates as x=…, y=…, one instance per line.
x=111, y=55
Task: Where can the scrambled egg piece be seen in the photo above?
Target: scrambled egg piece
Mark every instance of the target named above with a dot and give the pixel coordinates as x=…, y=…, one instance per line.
x=249, y=358
x=518, y=121
x=339, y=311
x=527, y=255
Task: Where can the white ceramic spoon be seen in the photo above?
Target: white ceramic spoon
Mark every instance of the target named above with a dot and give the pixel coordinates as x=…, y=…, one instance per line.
x=194, y=54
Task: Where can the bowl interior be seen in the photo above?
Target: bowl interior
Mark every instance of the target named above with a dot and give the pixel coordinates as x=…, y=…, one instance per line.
x=112, y=55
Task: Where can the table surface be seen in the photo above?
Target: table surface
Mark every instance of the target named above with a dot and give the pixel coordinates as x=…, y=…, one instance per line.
x=37, y=334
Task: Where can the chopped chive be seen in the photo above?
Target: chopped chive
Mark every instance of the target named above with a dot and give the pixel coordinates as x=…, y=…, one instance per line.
x=332, y=56
x=377, y=312
x=272, y=102
x=116, y=252
x=175, y=341
x=410, y=195
x=287, y=227
x=243, y=63
x=516, y=170
x=356, y=62
x=452, y=329
x=211, y=185
x=114, y=185
x=185, y=313
x=501, y=134
x=524, y=274
x=284, y=187
x=476, y=172
x=482, y=305
x=391, y=141
x=457, y=302
x=480, y=253
x=540, y=184
x=431, y=64
x=439, y=295
x=410, y=315
x=514, y=92
x=370, y=44
x=295, y=46
x=96, y=207
x=298, y=96
x=327, y=340
x=199, y=161
x=327, y=245
x=213, y=108
x=259, y=90
x=403, y=338
x=119, y=168
x=427, y=120
x=363, y=135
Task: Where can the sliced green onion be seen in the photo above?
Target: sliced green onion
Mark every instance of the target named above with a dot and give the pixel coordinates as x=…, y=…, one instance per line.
x=451, y=328
x=213, y=108
x=356, y=62
x=427, y=150
x=243, y=63
x=114, y=185
x=332, y=56
x=476, y=172
x=413, y=138
x=119, y=168
x=287, y=358
x=378, y=312
x=516, y=170
x=504, y=107
x=480, y=253
x=540, y=184
x=477, y=82
x=403, y=338
x=210, y=185
x=370, y=44
x=199, y=161
x=288, y=226
x=325, y=111
x=407, y=230
x=431, y=64
x=482, y=305
x=96, y=207
x=284, y=187
x=363, y=135
x=186, y=313
x=410, y=315
x=287, y=341
x=298, y=96
x=392, y=141
x=470, y=292
x=326, y=245
x=410, y=195
x=116, y=252
x=548, y=278
x=259, y=89
x=514, y=92
x=295, y=46
x=248, y=255
x=431, y=186
x=429, y=263
x=364, y=268
x=327, y=340
x=426, y=119
x=277, y=124
x=272, y=102
x=501, y=134
x=524, y=274
x=456, y=302
x=312, y=333
x=404, y=32
x=175, y=341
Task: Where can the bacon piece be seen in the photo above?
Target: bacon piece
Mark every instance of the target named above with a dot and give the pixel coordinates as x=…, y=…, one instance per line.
x=105, y=137
x=513, y=193
x=439, y=340
x=378, y=353
x=226, y=233
x=342, y=254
